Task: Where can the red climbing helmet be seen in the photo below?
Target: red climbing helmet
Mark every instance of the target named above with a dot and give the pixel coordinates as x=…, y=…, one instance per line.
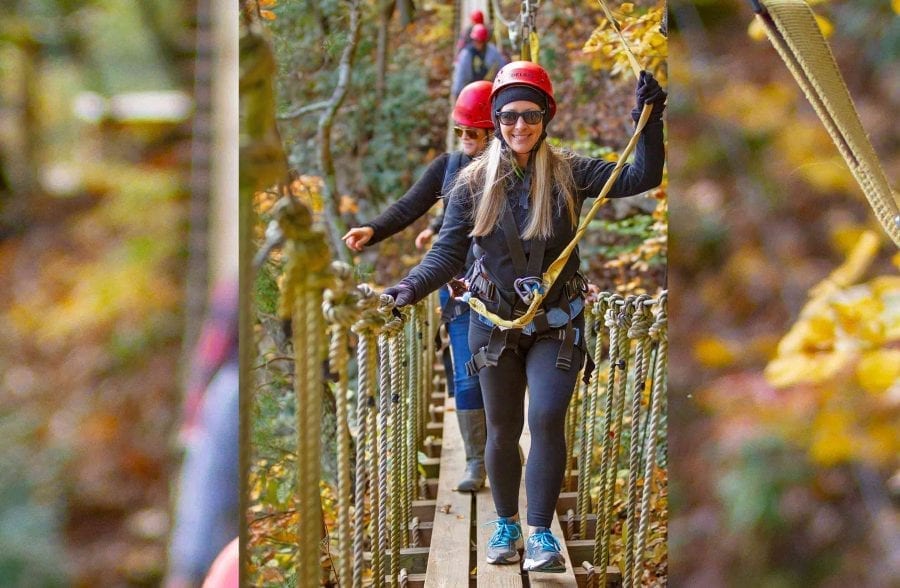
x=479, y=33
x=473, y=106
x=476, y=16
x=525, y=73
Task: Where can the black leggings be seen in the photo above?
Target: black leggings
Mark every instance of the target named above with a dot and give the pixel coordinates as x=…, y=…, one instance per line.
x=531, y=363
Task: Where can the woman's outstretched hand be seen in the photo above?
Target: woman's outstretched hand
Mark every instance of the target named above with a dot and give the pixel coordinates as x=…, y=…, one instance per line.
x=424, y=238
x=356, y=238
x=402, y=293
x=649, y=92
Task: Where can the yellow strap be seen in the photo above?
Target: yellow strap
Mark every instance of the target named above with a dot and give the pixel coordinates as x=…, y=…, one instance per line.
x=792, y=29
x=556, y=267
x=553, y=271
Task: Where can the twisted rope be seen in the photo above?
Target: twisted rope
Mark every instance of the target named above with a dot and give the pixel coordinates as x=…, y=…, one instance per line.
x=658, y=332
x=395, y=453
x=383, y=409
x=639, y=330
x=341, y=310
x=614, y=322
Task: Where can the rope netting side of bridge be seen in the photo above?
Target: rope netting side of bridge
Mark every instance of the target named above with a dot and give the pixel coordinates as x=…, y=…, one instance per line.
x=381, y=426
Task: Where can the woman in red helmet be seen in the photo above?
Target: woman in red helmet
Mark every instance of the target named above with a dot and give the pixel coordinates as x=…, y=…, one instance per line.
x=476, y=17
x=472, y=115
x=517, y=206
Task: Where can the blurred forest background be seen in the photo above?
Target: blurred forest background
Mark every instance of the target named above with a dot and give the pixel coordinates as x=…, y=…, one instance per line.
x=785, y=433
x=391, y=124
x=103, y=253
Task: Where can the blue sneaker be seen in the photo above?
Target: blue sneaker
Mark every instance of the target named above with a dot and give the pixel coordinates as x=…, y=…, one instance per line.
x=504, y=545
x=543, y=553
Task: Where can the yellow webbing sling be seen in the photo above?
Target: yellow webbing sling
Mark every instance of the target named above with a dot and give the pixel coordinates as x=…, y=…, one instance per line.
x=792, y=29
x=553, y=271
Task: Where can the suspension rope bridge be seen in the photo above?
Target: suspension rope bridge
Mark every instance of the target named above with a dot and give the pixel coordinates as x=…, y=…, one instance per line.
x=400, y=522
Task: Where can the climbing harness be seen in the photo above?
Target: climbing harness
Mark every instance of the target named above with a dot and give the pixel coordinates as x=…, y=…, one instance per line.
x=792, y=29
x=555, y=269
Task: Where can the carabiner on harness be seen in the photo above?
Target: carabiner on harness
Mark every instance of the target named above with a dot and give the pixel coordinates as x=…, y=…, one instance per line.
x=526, y=288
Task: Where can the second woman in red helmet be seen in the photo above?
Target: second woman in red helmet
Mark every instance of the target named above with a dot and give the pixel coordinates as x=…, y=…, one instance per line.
x=517, y=206
x=472, y=115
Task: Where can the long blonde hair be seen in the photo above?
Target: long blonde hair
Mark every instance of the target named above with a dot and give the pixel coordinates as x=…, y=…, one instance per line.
x=486, y=180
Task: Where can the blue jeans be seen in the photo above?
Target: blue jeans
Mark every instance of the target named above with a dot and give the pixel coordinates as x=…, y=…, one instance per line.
x=466, y=388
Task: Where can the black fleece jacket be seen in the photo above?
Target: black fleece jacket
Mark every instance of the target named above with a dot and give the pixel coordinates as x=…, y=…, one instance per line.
x=448, y=254
x=424, y=194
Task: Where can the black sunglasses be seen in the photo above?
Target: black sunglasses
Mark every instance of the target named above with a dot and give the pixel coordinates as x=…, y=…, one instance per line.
x=509, y=117
x=469, y=133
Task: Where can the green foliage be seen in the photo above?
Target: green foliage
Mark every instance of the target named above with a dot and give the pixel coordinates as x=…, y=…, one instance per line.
x=399, y=130
x=620, y=236
x=384, y=140
x=30, y=550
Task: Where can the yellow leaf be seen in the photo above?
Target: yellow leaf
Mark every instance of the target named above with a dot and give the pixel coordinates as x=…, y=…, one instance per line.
x=757, y=30
x=627, y=7
x=800, y=368
x=833, y=440
x=845, y=236
x=267, y=14
x=713, y=352
x=878, y=370
x=825, y=26
x=896, y=5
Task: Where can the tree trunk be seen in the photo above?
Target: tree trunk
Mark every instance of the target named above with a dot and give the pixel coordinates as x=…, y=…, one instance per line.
x=330, y=196
x=381, y=55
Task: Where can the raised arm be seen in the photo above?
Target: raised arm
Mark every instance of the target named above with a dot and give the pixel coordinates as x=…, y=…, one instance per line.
x=645, y=171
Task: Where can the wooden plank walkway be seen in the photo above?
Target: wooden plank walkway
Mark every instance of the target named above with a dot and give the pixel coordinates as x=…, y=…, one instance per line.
x=448, y=558
x=566, y=579
x=451, y=537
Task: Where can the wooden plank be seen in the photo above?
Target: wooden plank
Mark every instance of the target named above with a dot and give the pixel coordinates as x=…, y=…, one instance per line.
x=431, y=465
x=613, y=577
x=566, y=501
x=536, y=579
x=413, y=559
x=424, y=510
x=448, y=559
x=505, y=576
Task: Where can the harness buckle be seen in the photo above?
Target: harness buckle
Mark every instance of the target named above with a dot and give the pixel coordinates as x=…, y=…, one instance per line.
x=526, y=288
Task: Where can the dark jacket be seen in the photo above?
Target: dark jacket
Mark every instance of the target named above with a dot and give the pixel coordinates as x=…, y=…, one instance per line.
x=448, y=254
x=424, y=194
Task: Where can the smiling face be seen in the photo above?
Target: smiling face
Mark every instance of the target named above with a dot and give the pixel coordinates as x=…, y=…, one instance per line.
x=521, y=136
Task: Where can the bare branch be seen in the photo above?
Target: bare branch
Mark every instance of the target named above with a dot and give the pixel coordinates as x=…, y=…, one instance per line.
x=330, y=193
x=304, y=109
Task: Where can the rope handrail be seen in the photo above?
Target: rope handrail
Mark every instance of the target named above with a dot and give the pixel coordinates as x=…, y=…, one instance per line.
x=392, y=389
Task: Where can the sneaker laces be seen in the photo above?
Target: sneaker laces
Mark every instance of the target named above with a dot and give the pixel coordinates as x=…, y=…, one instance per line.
x=506, y=533
x=546, y=541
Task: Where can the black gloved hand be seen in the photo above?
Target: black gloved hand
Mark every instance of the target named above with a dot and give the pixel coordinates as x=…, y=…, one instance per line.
x=649, y=92
x=402, y=293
